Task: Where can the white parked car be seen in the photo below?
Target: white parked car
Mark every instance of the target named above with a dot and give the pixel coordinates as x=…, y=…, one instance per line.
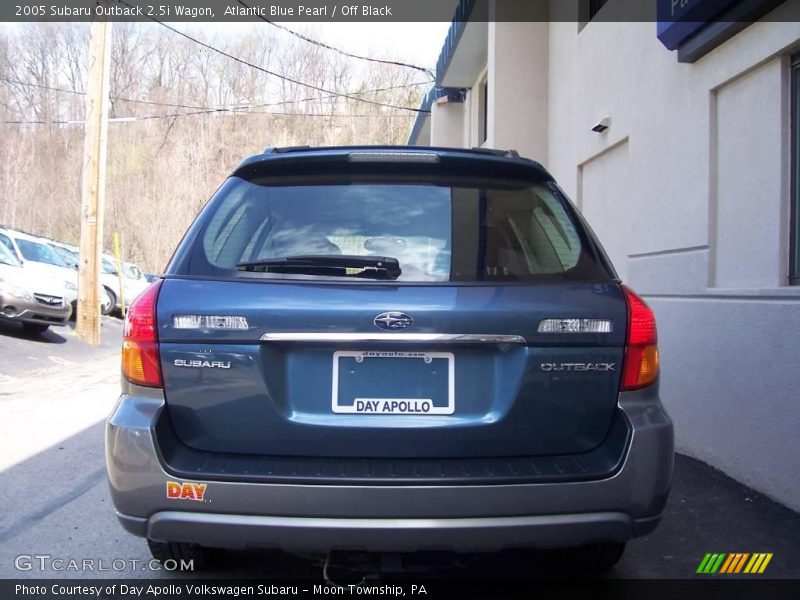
x=70, y=255
x=110, y=296
x=133, y=280
x=38, y=256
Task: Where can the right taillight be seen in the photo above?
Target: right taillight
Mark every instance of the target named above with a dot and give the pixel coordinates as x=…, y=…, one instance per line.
x=640, y=367
x=141, y=363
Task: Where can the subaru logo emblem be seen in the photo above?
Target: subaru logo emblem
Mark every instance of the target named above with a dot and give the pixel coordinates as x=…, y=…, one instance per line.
x=393, y=321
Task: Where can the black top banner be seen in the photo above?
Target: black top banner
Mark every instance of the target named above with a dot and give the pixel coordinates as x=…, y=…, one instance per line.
x=396, y=10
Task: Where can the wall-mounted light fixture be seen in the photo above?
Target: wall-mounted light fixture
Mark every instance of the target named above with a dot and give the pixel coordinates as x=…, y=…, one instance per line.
x=603, y=125
x=451, y=95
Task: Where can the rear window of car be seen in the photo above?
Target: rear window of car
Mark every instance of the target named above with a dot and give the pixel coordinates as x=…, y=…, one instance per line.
x=438, y=232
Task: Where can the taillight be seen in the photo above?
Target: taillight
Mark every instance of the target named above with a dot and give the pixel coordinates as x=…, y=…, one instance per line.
x=140, y=359
x=640, y=367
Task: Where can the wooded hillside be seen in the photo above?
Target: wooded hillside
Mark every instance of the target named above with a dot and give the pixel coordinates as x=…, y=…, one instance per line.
x=182, y=117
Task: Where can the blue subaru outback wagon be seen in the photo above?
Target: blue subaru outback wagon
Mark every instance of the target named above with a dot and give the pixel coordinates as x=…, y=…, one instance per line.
x=389, y=350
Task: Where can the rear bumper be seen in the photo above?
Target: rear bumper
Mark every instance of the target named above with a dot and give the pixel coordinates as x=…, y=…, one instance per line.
x=304, y=534
x=319, y=518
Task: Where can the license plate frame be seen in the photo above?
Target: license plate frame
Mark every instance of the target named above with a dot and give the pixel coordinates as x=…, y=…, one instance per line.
x=388, y=405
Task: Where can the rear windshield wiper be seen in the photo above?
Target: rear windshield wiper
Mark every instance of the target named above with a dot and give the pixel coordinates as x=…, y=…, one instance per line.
x=333, y=265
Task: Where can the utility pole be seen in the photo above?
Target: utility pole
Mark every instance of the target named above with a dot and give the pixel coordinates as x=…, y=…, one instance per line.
x=93, y=182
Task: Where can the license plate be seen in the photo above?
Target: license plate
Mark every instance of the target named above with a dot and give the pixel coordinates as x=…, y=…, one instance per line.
x=393, y=383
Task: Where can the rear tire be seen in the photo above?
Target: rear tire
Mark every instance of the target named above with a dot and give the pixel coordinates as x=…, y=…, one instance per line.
x=180, y=551
x=35, y=327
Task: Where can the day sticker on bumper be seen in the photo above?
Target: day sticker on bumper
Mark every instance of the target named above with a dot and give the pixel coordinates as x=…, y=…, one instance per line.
x=186, y=491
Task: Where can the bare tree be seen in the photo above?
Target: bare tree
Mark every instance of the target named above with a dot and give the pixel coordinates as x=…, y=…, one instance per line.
x=165, y=164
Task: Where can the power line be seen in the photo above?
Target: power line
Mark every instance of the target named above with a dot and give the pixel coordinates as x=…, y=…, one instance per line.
x=81, y=93
x=309, y=99
x=305, y=38
x=40, y=122
x=43, y=87
x=279, y=76
x=240, y=111
x=209, y=108
x=213, y=111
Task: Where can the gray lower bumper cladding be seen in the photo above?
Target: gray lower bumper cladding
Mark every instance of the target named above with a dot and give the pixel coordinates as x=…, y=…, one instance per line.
x=150, y=502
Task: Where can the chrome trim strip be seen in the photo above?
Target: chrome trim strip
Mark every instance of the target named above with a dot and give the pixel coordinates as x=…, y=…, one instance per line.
x=450, y=338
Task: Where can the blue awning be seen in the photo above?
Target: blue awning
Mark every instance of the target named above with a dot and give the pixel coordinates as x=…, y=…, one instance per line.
x=423, y=118
x=696, y=27
x=678, y=20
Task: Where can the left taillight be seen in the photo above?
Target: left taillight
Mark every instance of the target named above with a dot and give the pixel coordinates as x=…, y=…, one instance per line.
x=141, y=363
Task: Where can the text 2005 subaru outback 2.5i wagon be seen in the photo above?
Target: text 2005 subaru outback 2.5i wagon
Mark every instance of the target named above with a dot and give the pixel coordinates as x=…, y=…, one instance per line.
x=389, y=350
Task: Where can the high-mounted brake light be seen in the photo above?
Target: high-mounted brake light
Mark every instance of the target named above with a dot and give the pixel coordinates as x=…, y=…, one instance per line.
x=140, y=358
x=394, y=157
x=640, y=367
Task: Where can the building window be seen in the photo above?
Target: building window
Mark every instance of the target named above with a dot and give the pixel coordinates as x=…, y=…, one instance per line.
x=483, y=112
x=794, y=235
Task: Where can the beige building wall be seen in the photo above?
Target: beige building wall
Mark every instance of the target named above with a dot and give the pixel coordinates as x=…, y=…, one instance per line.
x=447, y=124
x=689, y=192
x=518, y=69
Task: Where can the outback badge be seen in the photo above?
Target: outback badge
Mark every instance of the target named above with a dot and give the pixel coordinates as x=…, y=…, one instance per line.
x=577, y=367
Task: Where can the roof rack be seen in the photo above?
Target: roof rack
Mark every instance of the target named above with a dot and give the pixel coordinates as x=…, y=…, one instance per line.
x=511, y=153
x=278, y=150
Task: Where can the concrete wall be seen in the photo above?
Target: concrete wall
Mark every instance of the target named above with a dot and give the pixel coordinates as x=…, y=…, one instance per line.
x=748, y=170
x=689, y=192
x=518, y=79
x=472, y=114
x=447, y=124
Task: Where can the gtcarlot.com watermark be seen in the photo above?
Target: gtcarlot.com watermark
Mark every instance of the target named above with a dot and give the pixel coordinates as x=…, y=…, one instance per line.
x=47, y=562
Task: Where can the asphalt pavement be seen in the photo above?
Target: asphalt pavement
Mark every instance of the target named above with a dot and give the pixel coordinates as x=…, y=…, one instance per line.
x=55, y=392
x=23, y=353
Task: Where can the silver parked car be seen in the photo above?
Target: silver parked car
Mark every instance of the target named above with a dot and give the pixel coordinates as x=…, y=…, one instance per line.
x=26, y=297
x=37, y=256
x=132, y=281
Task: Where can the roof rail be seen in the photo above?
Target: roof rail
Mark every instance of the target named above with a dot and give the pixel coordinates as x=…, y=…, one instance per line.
x=278, y=150
x=511, y=153
x=504, y=153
